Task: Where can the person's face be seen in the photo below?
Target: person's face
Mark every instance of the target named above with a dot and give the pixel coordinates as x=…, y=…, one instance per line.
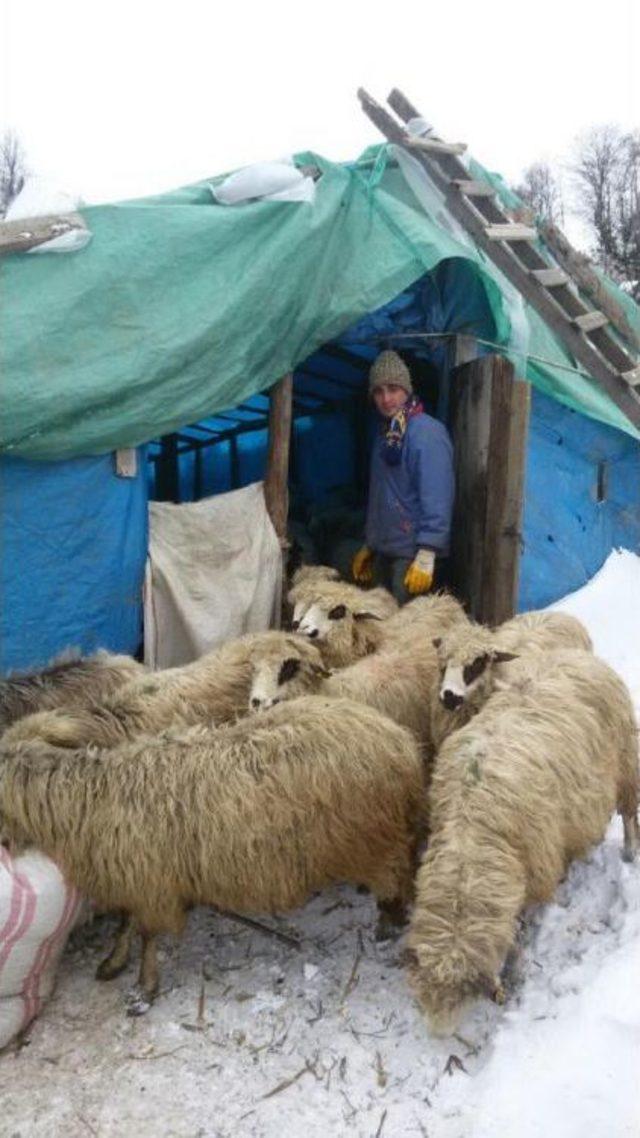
x=389, y=398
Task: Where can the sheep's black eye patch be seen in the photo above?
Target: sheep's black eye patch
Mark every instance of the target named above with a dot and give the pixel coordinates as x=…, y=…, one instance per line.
x=288, y=669
x=470, y=672
x=338, y=612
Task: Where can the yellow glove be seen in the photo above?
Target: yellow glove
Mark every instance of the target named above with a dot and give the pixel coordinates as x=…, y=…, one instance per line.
x=419, y=576
x=361, y=569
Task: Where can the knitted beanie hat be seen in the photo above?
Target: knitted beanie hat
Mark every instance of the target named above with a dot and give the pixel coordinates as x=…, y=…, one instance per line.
x=389, y=368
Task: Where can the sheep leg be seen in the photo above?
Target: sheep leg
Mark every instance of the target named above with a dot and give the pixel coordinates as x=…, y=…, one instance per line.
x=118, y=958
x=631, y=829
x=141, y=998
x=392, y=915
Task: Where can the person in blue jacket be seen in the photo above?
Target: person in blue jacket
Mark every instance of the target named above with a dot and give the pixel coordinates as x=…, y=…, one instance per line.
x=411, y=488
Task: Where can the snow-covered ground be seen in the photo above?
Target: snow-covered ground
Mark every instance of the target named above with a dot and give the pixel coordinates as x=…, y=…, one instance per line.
x=257, y=1036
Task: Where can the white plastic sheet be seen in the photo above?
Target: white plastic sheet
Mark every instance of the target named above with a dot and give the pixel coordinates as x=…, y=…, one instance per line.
x=214, y=572
x=267, y=181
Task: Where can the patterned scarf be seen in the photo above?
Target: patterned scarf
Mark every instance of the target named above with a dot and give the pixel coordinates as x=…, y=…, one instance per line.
x=393, y=437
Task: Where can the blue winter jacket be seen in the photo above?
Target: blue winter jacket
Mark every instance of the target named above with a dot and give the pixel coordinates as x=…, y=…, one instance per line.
x=410, y=504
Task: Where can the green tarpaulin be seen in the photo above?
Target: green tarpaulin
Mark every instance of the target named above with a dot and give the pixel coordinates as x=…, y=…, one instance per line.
x=180, y=307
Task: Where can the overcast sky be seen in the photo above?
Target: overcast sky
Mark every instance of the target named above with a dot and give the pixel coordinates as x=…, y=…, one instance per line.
x=123, y=99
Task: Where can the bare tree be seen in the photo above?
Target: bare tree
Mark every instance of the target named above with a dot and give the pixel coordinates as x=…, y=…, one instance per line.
x=540, y=189
x=607, y=178
x=13, y=169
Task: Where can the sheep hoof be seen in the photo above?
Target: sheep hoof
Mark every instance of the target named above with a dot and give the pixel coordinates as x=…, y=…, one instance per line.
x=499, y=995
x=386, y=929
x=137, y=1002
x=106, y=970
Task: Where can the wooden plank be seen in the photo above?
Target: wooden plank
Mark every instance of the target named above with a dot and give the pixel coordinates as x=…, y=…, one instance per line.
x=167, y=473
x=472, y=188
x=470, y=428
x=580, y=269
x=528, y=255
x=600, y=356
x=510, y=405
x=401, y=105
x=276, y=490
x=29, y=232
x=632, y=377
x=490, y=416
x=510, y=231
x=434, y=145
x=549, y=278
x=590, y=321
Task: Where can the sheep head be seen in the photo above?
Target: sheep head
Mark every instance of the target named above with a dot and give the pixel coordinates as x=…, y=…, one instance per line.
x=467, y=655
x=292, y=667
x=342, y=632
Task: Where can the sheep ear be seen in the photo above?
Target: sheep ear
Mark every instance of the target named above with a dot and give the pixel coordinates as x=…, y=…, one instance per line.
x=503, y=657
x=366, y=616
x=437, y=641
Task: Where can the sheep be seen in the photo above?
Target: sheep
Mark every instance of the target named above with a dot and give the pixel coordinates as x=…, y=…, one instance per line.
x=397, y=679
x=254, y=816
x=304, y=582
x=68, y=681
x=213, y=690
x=472, y=659
x=344, y=619
x=308, y=575
x=525, y=787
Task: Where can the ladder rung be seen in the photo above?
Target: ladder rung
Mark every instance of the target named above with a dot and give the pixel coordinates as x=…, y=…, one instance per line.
x=435, y=146
x=632, y=377
x=511, y=231
x=589, y=321
x=473, y=189
x=549, y=278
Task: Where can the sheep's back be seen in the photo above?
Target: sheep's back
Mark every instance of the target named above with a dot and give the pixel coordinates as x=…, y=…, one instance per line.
x=255, y=816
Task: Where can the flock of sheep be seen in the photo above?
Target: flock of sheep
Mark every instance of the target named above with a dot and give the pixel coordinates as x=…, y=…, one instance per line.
x=347, y=749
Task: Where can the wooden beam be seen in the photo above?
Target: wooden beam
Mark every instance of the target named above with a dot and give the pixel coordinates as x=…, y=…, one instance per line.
x=599, y=355
x=30, y=232
x=578, y=266
x=490, y=413
x=632, y=377
x=549, y=278
x=276, y=491
x=510, y=407
x=511, y=231
x=473, y=188
x=434, y=145
x=589, y=321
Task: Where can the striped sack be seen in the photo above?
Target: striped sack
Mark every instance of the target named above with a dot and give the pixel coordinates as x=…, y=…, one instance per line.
x=37, y=911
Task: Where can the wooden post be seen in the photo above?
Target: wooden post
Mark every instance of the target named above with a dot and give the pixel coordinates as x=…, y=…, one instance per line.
x=276, y=489
x=167, y=473
x=461, y=349
x=490, y=417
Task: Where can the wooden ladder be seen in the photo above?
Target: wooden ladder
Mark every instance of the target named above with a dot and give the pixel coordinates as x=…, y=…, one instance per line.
x=586, y=332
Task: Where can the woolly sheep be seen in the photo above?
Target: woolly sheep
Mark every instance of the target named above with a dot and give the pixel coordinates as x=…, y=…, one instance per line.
x=473, y=658
x=344, y=620
x=69, y=681
x=527, y=786
x=306, y=584
x=398, y=679
x=213, y=690
x=252, y=817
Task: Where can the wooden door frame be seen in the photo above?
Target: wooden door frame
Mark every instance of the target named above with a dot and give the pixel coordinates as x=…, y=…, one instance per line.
x=489, y=418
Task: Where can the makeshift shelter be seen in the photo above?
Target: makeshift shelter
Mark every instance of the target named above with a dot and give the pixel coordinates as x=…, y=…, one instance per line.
x=172, y=326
